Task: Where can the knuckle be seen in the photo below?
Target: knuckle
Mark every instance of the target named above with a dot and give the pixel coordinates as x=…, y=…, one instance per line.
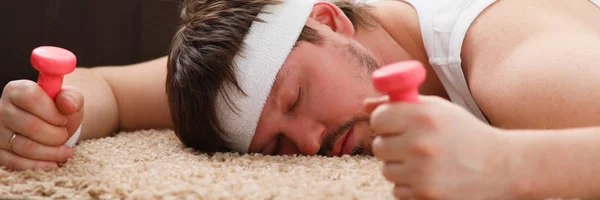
x=18, y=86
x=30, y=97
x=425, y=117
x=422, y=147
x=27, y=84
x=10, y=86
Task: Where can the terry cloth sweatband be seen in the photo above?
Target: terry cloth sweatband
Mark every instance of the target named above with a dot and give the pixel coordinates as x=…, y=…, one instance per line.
x=265, y=49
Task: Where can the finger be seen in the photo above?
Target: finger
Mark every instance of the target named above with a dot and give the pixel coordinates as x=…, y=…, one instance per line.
x=394, y=118
x=407, y=180
x=395, y=172
x=370, y=104
x=14, y=162
x=410, y=175
x=69, y=101
x=389, y=148
x=400, y=148
x=402, y=192
x=28, y=148
x=33, y=127
x=28, y=96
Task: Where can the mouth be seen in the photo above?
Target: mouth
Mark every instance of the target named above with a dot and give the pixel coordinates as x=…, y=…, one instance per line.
x=345, y=144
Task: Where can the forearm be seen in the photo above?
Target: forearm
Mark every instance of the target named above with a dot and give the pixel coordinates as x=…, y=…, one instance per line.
x=556, y=163
x=122, y=98
x=140, y=95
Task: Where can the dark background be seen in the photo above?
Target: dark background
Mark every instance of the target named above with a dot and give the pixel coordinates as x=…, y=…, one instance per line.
x=98, y=32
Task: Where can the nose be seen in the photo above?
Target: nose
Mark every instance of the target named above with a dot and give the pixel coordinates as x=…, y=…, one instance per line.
x=305, y=136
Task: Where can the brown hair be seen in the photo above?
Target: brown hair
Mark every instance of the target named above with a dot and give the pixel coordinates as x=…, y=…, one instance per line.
x=200, y=62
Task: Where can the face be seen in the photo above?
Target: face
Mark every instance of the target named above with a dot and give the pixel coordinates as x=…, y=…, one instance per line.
x=315, y=105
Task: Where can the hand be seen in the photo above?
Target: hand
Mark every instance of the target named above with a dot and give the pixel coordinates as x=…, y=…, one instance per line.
x=41, y=125
x=437, y=150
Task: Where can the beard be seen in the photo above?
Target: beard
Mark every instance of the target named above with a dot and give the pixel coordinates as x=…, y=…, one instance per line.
x=368, y=63
x=332, y=137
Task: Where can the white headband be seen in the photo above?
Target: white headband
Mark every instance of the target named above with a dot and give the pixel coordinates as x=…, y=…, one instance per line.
x=266, y=47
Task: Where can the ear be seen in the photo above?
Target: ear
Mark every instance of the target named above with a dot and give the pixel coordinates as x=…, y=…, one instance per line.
x=330, y=15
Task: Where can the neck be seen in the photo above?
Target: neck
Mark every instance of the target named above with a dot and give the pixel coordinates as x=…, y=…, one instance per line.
x=398, y=38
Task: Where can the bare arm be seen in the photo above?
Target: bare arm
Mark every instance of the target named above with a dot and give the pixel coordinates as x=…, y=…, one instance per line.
x=122, y=98
x=548, y=88
x=555, y=163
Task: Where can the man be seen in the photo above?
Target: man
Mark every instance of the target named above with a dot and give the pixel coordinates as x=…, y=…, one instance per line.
x=523, y=92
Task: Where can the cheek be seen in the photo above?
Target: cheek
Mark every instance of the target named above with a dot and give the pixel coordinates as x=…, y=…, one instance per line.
x=265, y=129
x=339, y=85
x=338, y=95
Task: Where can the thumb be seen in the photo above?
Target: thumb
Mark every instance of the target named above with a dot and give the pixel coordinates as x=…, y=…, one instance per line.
x=70, y=103
x=370, y=104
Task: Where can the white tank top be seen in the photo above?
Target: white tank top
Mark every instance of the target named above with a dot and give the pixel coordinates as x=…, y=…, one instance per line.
x=444, y=25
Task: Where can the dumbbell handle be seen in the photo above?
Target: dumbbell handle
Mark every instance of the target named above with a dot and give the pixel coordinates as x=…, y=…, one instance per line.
x=400, y=80
x=50, y=84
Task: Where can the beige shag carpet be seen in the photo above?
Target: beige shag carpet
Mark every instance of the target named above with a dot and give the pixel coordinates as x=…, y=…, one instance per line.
x=153, y=164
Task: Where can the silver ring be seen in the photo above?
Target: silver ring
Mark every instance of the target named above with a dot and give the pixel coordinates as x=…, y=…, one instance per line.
x=10, y=142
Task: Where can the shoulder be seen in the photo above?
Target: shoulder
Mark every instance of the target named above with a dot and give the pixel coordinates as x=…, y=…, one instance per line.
x=506, y=25
x=531, y=68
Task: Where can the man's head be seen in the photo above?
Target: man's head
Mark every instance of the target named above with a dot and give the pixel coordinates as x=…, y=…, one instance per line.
x=312, y=100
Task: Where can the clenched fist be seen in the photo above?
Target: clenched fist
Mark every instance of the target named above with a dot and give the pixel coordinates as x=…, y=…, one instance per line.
x=34, y=127
x=434, y=149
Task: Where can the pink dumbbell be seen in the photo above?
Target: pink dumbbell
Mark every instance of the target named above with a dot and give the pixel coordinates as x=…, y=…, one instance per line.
x=400, y=80
x=53, y=63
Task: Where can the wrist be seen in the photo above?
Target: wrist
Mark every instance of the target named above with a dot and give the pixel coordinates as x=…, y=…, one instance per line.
x=528, y=164
x=544, y=164
x=511, y=167
x=507, y=164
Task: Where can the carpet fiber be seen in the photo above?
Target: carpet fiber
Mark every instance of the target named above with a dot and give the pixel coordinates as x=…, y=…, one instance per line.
x=153, y=164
